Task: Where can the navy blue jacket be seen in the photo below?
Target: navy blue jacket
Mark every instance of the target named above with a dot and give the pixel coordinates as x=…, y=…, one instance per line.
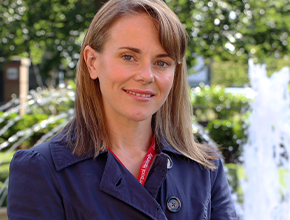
x=49, y=182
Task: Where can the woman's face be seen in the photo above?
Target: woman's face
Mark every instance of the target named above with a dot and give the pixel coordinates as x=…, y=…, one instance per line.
x=134, y=71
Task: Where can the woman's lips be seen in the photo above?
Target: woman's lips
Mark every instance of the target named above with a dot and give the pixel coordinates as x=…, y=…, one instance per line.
x=144, y=94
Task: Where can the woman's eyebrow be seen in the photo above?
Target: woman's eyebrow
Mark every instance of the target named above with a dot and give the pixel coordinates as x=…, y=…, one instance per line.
x=136, y=50
x=163, y=55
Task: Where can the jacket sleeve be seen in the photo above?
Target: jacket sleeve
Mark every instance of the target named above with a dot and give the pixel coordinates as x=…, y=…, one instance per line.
x=33, y=188
x=222, y=207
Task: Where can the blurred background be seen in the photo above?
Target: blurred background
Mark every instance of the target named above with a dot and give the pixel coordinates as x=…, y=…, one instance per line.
x=39, y=48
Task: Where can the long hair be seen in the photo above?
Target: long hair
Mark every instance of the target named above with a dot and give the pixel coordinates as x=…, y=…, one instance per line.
x=172, y=120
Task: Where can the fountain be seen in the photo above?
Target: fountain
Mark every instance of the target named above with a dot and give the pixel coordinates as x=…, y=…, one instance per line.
x=266, y=155
x=38, y=101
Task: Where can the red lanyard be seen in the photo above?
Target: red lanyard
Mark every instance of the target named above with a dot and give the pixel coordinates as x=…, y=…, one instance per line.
x=146, y=163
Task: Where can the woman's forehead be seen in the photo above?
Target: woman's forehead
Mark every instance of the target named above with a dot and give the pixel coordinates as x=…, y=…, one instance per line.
x=133, y=31
x=136, y=21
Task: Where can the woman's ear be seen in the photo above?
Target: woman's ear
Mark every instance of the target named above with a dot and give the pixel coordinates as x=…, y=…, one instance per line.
x=91, y=56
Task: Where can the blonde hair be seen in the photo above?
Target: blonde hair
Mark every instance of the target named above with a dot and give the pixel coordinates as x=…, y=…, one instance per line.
x=172, y=120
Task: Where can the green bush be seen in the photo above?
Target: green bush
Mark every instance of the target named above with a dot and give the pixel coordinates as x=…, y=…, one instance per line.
x=222, y=116
x=214, y=103
x=5, y=158
x=5, y=118
x=229, y=135
x=25, y=122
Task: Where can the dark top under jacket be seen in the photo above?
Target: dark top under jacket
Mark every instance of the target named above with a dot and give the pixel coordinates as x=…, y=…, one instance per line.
x=49, y=182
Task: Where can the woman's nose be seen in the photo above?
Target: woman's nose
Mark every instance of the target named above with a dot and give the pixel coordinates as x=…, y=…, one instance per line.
x=145, y=73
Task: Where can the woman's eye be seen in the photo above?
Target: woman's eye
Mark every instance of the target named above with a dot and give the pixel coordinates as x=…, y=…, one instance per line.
x=162, y=64
x=128, y=57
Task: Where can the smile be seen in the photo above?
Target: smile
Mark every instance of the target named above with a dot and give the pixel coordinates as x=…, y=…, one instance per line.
x=139, y=94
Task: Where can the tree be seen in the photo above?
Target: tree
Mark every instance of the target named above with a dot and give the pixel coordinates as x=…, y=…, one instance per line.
x=47, y=31
x=235, y=30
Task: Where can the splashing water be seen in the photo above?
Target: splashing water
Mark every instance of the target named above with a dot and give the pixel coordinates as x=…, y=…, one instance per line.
x=267, y=153
x=42, y=100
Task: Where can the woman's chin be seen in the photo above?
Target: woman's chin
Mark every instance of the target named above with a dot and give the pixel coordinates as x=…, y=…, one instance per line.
x=139, y=117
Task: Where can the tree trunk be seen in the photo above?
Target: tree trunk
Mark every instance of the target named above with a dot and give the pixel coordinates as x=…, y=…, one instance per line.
x=37, y=75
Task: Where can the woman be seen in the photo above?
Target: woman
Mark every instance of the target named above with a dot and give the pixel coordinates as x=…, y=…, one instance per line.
x=129, y=153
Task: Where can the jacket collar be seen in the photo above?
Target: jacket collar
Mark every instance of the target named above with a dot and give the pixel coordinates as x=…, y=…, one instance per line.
x=165, y=147
x=63, y=157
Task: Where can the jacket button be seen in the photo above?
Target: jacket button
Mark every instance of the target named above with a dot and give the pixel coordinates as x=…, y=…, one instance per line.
x=169, y=163
x=173, y=204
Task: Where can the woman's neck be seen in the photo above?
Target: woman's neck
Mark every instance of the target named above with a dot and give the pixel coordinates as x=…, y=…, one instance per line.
x=130, y=136
x=130, y=142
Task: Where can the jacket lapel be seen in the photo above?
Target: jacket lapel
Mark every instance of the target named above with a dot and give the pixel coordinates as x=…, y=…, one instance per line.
x=118, y=182
x=158, y=174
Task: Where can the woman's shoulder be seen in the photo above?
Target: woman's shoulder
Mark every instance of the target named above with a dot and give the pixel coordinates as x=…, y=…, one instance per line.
x=41, y=150
x=42, y=153
x=33, y=157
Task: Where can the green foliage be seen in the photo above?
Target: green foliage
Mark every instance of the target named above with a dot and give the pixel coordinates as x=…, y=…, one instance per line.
x=277, y=65
x=27, y=121
x=5, y=158
x=45, y=31
x=221, y=114
x=235, y=74
x=30, y=142
x=229, y=134
x=53, y=107
x=5, y=118
x=72, y=85
x=235, y=30
x=214, y=103
x=229, y=74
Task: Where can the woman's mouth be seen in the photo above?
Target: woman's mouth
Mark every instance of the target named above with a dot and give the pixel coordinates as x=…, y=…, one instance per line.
x=145, y=95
